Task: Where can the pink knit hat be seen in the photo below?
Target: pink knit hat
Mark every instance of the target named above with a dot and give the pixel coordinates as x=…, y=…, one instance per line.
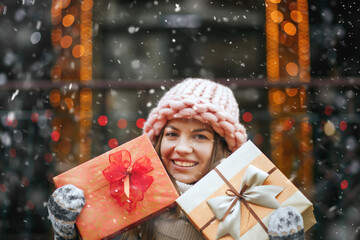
x=204, y=100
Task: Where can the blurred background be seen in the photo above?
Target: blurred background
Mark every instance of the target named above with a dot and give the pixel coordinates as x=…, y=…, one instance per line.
x=78, y=78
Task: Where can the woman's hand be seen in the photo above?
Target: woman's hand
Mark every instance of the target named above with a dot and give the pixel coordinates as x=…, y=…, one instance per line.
x=64, y=205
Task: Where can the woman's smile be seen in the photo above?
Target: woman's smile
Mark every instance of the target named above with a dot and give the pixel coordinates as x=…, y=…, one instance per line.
x=184, y=163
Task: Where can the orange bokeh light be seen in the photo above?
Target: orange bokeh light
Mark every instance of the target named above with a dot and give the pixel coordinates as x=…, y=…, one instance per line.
x=69, y=103
x=73, y=11
x=292, y=6
x=296, y=16
x=278, y=97
x=277, y=16
x=290, y=28
x=56, y=35
x=66, y=41
x=68, y=20
x=64, y=3
x=291, y=92
x=275, y=1
x=292, y=69
x=55, y=97
x=56, y=72
x=78, y=51
x=86, y=5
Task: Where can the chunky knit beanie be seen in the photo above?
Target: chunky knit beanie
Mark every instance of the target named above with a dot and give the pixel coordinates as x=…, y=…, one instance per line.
x=200, y=99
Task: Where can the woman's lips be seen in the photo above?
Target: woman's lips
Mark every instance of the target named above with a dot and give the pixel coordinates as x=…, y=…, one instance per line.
x=184, y=163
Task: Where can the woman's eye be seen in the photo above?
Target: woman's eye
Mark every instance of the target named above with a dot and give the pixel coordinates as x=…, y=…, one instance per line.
x=201, y=137
x=170, y=134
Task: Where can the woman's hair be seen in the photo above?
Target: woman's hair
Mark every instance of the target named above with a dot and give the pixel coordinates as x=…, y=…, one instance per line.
x=147, y=230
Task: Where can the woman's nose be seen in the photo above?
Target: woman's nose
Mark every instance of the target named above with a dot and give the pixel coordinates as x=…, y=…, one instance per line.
x=183, y=146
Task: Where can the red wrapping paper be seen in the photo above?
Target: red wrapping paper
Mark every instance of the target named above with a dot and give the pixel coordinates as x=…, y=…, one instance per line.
x=103, y=216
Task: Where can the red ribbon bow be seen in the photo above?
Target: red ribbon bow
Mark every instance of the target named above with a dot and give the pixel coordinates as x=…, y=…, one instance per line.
x=128, y=183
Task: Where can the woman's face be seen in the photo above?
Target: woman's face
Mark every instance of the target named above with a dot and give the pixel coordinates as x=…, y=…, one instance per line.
x=186, y=149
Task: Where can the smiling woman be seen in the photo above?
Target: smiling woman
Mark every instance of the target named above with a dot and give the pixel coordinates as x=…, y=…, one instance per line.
x=194, y=126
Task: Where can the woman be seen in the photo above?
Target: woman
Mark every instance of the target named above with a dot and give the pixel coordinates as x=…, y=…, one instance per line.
x=194, y=126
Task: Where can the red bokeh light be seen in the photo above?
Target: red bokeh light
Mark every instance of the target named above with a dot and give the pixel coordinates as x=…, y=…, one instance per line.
x=258, y=139
x=113, y=143
x=55, y=136
x=102, y=120
x=343, y=125
x=34, y=117
x=247, y=117
x=2, y=188
x=30, y=205
x=48, y=157
x=344, y=184
x=12, y=152
x=328, y=110
x=122, y=123
x=140, y=122
x=288, y=124
x=48, y=113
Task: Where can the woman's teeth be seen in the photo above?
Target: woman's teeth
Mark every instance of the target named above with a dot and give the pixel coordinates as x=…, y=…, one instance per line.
x=184, y=164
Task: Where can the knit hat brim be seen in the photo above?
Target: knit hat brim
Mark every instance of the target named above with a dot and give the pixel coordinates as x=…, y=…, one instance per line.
x=190, y=107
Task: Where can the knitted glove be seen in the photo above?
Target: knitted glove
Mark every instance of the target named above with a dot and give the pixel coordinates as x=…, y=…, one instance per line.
x=64, y=206
x=286, y=224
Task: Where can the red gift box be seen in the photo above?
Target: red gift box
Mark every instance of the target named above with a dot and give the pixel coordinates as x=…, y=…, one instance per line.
x=123, y=187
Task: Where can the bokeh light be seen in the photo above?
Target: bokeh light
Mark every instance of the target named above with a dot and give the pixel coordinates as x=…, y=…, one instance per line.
x=140, y=122
x=291, y=92
x=86, y=5
x=34, y=117
x=258, y=139
x=55, y=136
x=343, y=126
x=328, y=110
x=69, y=103
x=102, y=120
x=290, y=28
x=64, y=3
x=288, y=123
x=344, y=184
x=68, y=20
x=56, y=35
x=113, y=143
x=66, y=41
x=277, y=16
x=12, y=152
x=292, y=69
x=55, y=97
x=329, y=128
x=78, y=51
x=296, y=16
x=278, y=97
x=122, y=123
x=247, y=117
x=55, y=72
x=48, y=157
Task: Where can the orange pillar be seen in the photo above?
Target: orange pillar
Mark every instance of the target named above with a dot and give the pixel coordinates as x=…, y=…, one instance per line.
x=288, y=70
x=72, y=40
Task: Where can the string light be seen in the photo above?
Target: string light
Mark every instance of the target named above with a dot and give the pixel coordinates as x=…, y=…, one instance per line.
x=140, y=122
x=68, y=20
x=122, y=123
x=292, y=69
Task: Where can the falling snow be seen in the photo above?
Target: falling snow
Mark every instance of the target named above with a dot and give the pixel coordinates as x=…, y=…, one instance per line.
x=139, y=49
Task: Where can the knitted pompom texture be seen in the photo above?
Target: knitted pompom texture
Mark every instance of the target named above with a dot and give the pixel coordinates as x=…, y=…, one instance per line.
x=200, y=99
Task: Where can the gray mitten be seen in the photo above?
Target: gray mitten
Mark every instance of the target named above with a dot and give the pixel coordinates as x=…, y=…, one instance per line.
x=64, y=206
x=286, y=224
